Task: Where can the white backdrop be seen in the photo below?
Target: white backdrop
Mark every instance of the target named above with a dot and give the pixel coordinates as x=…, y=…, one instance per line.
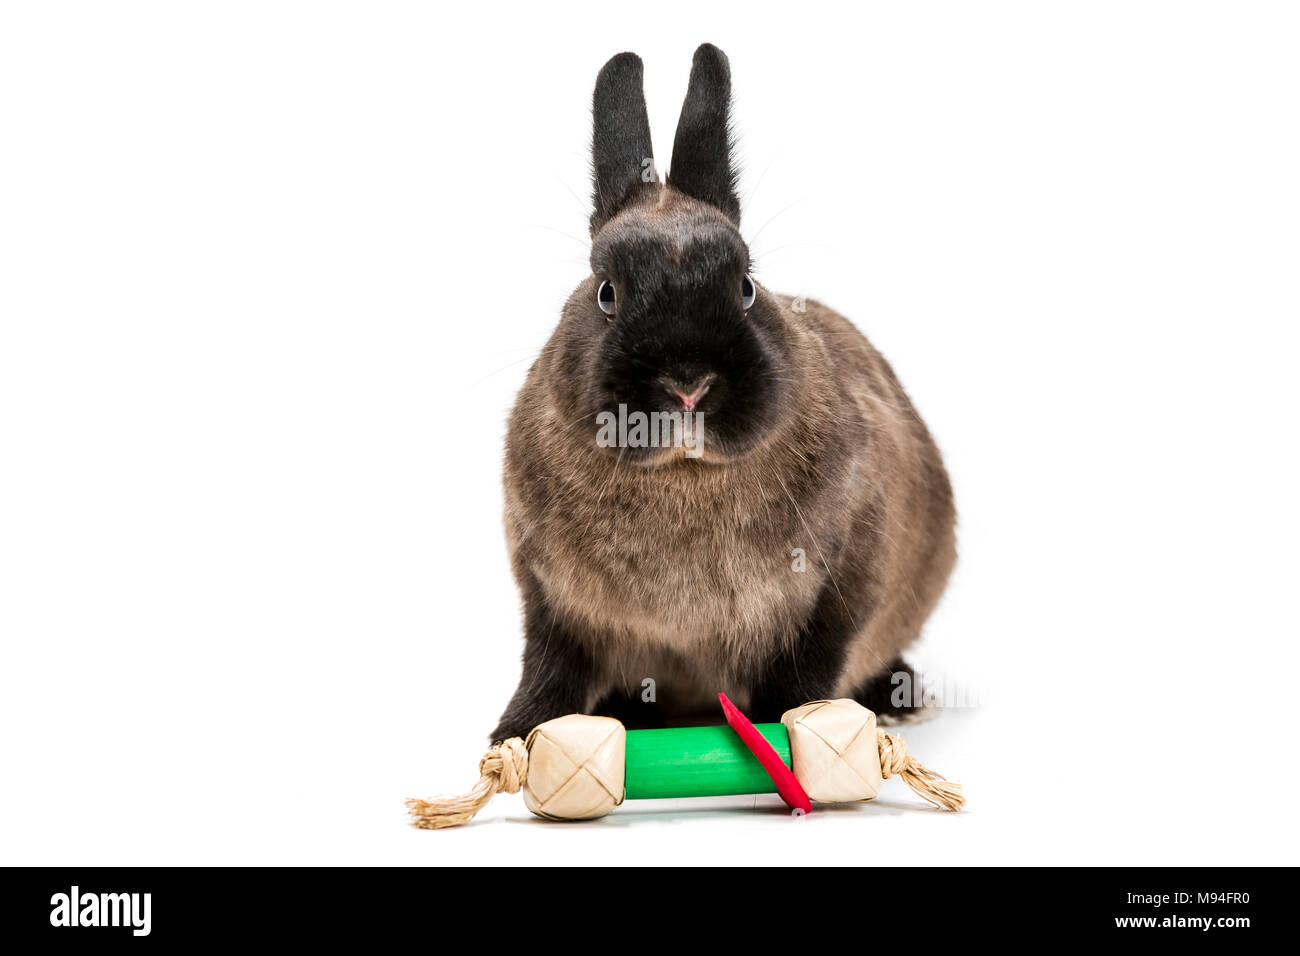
x=271, y=275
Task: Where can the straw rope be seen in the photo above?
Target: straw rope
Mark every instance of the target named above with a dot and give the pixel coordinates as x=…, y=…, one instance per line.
x=503, y=769
x=894, y=759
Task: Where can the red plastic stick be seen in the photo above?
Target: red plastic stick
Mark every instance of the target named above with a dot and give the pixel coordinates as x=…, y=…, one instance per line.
x=787, y=784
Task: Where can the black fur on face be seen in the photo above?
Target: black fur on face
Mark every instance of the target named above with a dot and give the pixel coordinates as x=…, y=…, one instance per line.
x=680, y=339
x=680, y=326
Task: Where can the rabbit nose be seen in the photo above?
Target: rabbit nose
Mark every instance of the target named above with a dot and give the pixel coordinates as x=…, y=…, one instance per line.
x=690, y=395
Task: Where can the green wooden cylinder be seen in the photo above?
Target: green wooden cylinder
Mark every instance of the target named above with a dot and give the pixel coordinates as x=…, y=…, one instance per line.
x=698, y=762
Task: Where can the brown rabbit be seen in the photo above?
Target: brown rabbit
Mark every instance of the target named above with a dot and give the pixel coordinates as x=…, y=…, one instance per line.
x=792, y=539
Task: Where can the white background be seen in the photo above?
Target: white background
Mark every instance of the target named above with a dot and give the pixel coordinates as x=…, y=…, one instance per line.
x=271, y=275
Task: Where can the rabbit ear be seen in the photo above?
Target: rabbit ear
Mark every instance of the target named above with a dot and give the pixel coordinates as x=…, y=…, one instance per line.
x=621, y=156
x=702, y=166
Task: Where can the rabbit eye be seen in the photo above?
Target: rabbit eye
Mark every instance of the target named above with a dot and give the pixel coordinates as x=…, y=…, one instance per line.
x=605, y=297
x=748, y=292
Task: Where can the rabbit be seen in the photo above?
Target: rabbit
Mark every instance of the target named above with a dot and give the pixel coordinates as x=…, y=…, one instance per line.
x=654, y=577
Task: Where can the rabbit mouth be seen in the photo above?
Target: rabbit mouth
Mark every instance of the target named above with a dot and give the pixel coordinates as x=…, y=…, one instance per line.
x=654, y=436
x=664, y=438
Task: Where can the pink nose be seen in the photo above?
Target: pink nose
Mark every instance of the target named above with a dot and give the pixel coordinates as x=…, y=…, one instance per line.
x=689, y=399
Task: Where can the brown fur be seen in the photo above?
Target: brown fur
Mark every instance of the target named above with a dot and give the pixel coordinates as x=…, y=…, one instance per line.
x=640, y=563
x=682, y=571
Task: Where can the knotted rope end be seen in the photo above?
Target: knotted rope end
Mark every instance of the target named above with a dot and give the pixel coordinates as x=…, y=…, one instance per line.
x=894, y=759
x=503, y=769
